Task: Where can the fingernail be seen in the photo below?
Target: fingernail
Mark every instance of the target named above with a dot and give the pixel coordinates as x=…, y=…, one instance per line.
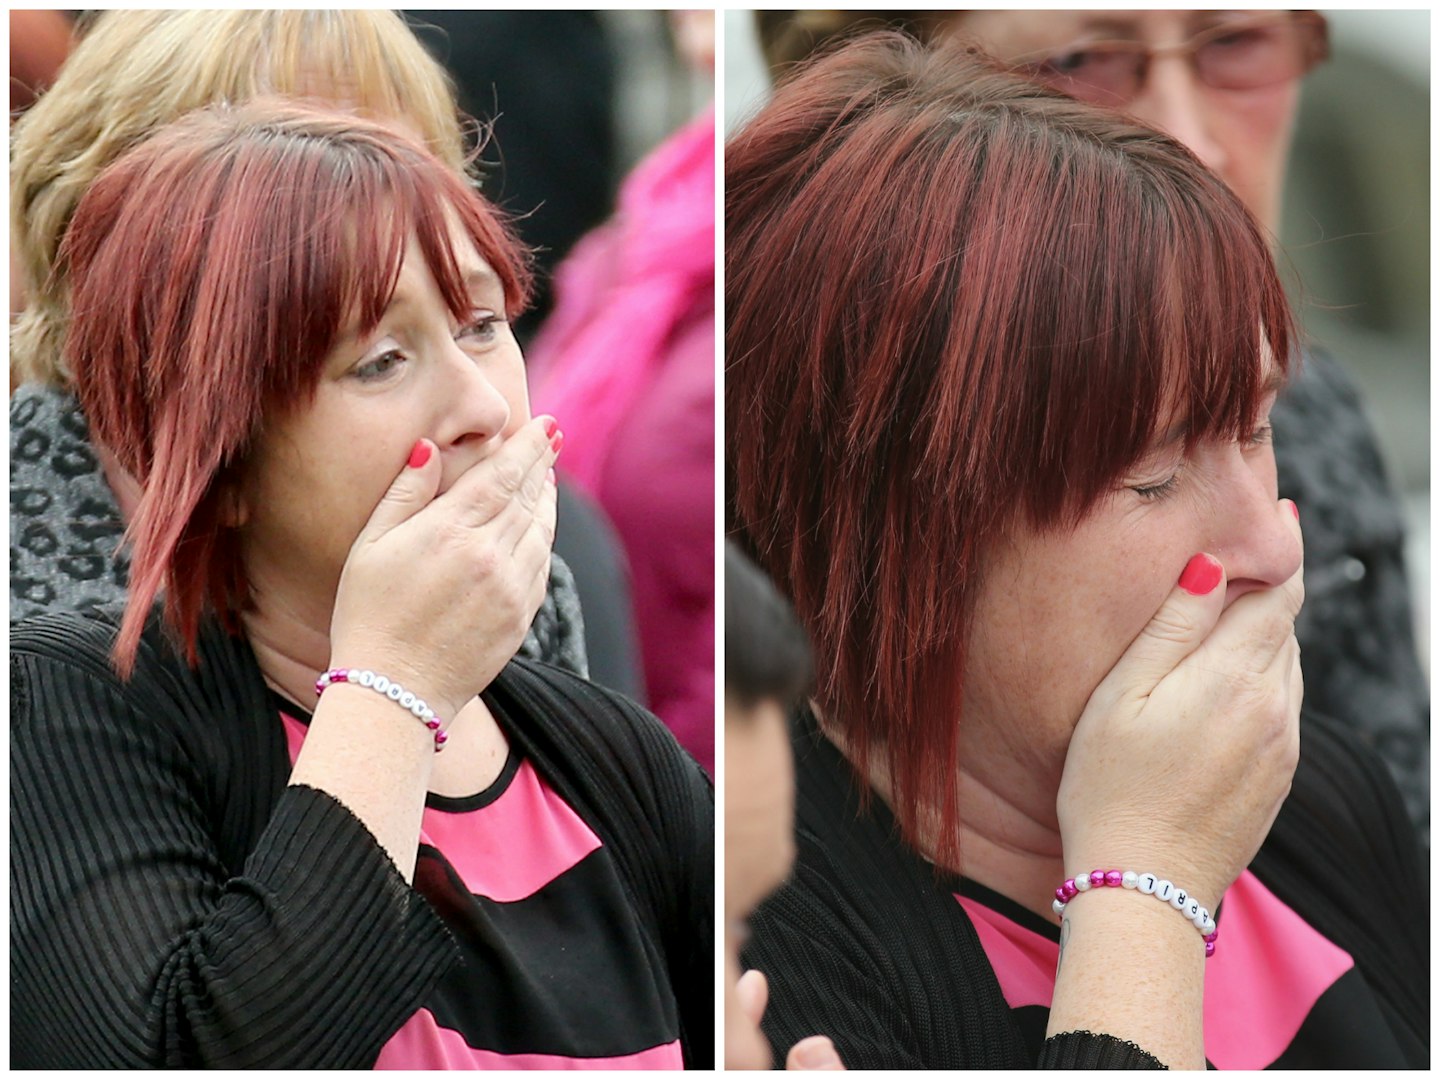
x=557, y=440
x=816, y=1054
x=551, y=475
x=551, y=424
x=1294, y=509
x=420, y=455
x=1202, y=574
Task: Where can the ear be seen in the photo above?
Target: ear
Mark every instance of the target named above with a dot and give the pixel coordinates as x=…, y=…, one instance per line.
x=234, y=508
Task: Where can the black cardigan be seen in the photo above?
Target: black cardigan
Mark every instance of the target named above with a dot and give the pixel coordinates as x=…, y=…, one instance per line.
x=866, y=943
x=175, y=903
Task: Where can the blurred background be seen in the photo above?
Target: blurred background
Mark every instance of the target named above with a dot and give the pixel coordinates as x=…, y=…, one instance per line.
x=1355, y=231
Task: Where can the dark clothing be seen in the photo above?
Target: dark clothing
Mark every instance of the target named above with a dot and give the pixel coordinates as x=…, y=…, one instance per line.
x=1356, y=630
x=868, y=944
x=175, y=903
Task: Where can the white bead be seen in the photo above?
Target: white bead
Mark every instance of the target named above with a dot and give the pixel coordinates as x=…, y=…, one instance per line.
x=394, y=691
x=382, y=684
x=367, y=678
x=1209, y=926
x=1058, y=907
x=407, y=699
x=1191, y=908
x=1164, y=890
x=1179, y=900
x=1129, y=879
x=427, y=713
x=417, y=708
x=1146, y=883
x=1082, y=882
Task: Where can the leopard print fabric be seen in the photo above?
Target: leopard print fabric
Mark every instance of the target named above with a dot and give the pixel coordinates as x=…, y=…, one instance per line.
x=65, y=530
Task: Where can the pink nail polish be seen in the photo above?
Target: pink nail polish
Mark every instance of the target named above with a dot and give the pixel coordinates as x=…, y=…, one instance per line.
x=1202, y=574
x=420, y=455
x=557, y=441
x=550, y=426
x=1294, y=509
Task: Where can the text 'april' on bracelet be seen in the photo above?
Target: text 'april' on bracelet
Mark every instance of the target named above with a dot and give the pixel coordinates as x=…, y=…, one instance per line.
x=1148, y=884
x=390, y=689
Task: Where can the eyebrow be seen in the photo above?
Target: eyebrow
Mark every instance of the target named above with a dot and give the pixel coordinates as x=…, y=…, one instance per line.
x=475, y=277
x=1180, y=429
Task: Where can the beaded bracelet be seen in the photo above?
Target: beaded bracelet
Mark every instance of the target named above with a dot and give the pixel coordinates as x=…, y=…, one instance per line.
x=1148, y=884
x=392, y=690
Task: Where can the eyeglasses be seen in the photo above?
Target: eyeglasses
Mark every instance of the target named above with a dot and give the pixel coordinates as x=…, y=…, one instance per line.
x=1245, y=54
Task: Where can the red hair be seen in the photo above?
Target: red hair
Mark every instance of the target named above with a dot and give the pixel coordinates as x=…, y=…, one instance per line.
x=958, y=303
x=214, y=266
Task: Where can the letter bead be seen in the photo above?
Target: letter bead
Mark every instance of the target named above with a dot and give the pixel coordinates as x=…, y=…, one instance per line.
x=1178, y=900
x=1146, y=883
x=1191, y=908
x=367, y=678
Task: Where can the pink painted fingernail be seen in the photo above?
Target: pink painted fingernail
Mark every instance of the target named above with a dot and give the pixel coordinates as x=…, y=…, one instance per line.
x=1202, y=574
x=550, y=425
x=1294, y=509
x=557, y=441
x=420, y=455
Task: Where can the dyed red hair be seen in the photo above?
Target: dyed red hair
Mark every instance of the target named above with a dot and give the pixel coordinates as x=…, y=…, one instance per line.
x=957, y=303
x=214, y=266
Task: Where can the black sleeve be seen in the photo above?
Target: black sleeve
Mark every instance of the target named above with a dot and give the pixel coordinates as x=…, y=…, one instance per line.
x=134, y=945
x=1344, y=855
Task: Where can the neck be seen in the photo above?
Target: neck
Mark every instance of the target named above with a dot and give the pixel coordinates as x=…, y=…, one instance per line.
x=292, y=646
x=1009, y=833
x=125, y=487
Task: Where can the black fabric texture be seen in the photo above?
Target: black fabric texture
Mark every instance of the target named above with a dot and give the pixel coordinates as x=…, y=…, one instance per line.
x=867, y=944
x=174, y=903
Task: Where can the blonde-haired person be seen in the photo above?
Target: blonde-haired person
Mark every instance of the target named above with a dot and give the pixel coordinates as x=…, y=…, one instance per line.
x=131, y=73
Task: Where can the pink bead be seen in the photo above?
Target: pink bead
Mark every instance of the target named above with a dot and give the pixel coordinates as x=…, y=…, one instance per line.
x=1113, y=878
x=1209, y=949
x=341, y=674
x=1210, y=937
x=1060, y=895
x=433, y=723
x=1070, y=890
x=441, y=738
x=1097, y=877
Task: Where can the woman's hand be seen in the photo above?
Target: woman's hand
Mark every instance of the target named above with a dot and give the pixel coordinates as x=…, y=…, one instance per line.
x=1186, y=750
x=438, y=591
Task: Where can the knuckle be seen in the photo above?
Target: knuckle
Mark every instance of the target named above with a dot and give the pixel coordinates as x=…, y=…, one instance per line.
x=1173, y=624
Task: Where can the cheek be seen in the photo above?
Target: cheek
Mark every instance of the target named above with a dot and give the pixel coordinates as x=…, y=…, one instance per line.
x=1256, y=130
x=512, y=383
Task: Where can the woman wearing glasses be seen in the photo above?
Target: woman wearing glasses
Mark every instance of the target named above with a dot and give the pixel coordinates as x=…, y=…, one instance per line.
x=1227, y=85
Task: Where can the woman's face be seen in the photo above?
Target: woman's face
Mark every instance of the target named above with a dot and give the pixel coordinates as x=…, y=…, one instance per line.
x=1244, y=135
x=317, y=472
x=1056, y=609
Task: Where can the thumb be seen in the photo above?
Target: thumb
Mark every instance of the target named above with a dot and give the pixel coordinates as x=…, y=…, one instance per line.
x=813, y=1054
x=753, y=991
x=1175, y=631
x=410, y=492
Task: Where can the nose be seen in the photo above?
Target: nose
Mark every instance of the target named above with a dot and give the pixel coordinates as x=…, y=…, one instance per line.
x=470, y=407
x=1174, y=100
x=1254, y=535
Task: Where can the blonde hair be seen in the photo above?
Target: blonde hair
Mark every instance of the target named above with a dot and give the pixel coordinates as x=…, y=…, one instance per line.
x=136, y=71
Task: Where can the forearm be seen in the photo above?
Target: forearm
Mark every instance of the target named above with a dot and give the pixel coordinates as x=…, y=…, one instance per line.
x=1134, y=969
x=375, y=759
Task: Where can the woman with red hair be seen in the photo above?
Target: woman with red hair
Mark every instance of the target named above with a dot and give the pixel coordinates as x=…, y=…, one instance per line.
x=235, y=840
x=998, y=372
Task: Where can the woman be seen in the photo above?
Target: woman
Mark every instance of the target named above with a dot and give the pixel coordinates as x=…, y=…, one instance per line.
x=999, y=366
x=1228, y=84
x=293, y=328
x=133, y=72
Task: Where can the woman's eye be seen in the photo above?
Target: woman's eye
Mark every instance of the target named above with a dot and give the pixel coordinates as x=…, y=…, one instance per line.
x=1261, y=435
x=483, y=329
x=1155, y=492
x=381, y=366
